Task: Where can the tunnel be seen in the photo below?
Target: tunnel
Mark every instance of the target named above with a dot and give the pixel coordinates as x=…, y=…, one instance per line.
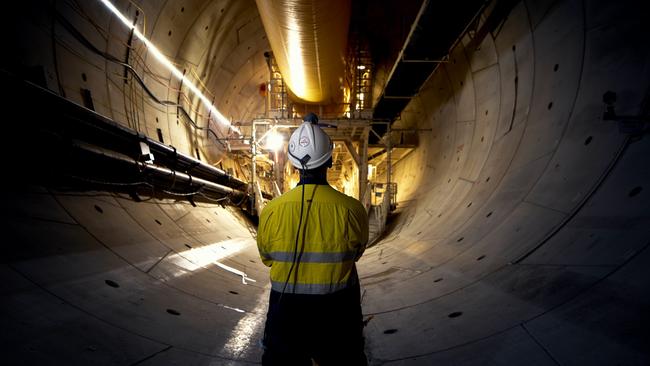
x=510, y=192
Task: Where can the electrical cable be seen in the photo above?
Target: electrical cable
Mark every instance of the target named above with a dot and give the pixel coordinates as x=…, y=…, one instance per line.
x=182, y=194
x=54, y=55
x=85, y=42
x=118, y=184
x=303, y=162
x=152, y=187
x=215, y=200
x=77, y=8
x=295, y=249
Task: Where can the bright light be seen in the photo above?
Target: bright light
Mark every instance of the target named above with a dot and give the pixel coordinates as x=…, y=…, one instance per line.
x=198, y=258
x=361, y=67
x=371, y=171
x=295, y=58
x=167, y=64
x=274, y=141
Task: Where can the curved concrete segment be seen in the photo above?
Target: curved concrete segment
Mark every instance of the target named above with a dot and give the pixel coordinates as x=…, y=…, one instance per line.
x=99, y=278
x=521, y=235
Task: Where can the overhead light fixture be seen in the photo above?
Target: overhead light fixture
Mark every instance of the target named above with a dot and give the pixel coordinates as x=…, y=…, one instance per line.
x=361, y=67
x=274, y=141
x=169, y=66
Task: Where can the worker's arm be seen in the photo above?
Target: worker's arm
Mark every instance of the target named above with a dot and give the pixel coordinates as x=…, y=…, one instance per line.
x=358, y=222
x=262, y=238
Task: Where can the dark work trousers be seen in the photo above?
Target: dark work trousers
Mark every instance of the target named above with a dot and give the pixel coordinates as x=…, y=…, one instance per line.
x=325, y=328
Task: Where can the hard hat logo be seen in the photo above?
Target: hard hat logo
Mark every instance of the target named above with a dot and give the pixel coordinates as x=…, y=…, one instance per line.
x=304, y=141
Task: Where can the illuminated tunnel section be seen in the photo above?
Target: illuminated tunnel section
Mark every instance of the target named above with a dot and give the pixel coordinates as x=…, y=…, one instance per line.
x=521, y=235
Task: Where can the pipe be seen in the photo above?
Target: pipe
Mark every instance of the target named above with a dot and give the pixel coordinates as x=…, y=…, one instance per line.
x=81, y=123
x=162, y=171
x=309, y=40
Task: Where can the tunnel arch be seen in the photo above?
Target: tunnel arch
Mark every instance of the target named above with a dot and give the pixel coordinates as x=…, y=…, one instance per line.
x=521, y=231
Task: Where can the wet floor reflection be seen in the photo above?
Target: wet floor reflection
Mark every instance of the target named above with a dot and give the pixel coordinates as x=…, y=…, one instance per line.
x=244, y=341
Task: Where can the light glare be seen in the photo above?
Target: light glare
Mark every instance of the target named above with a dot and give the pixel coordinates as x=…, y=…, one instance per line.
x=296, y=62
x=274, y=141
x=167, y=64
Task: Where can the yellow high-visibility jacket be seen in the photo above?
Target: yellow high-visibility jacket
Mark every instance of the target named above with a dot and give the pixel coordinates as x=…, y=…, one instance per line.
x=333, y=236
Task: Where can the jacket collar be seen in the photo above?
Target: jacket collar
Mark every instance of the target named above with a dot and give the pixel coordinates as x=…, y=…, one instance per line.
x=313, y=180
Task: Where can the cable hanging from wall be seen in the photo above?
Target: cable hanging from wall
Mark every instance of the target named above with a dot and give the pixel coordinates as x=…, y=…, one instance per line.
x=89, y=45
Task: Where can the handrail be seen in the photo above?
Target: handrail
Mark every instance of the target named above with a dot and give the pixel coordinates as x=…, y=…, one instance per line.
x=366, y=200
x=259, y=199
x=381, y=215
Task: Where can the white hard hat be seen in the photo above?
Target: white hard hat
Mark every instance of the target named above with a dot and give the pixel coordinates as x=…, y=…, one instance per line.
x=309, y=146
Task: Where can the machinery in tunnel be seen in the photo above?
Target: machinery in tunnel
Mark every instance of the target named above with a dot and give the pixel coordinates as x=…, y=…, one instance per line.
x=500, y=147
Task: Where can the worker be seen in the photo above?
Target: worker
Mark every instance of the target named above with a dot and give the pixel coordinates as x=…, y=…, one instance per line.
x=311, y=238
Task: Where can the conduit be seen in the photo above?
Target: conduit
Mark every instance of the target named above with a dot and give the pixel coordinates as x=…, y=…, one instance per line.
x=164, y=173
x=77, y=123
x=309, y=40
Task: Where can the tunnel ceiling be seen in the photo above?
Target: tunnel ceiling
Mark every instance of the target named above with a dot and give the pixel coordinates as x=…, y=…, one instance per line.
x=435, y=29
x=521, y=230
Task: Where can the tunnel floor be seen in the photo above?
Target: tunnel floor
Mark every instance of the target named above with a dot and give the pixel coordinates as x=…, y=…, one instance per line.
x=96, y=278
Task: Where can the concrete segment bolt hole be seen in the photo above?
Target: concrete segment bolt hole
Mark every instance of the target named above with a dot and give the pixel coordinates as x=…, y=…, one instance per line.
x=635, y=191
x=112, y=283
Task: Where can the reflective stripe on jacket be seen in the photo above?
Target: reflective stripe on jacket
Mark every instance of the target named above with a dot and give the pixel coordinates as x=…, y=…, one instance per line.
x=333, y=235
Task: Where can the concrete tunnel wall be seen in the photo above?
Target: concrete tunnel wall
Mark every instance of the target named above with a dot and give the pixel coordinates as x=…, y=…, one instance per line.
x=520, y=218
x=521, y=234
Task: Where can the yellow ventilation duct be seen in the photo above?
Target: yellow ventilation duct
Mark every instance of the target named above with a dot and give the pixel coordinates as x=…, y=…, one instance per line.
x=309, y=40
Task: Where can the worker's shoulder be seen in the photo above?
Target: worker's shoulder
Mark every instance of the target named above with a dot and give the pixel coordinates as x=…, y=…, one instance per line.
x=343, y=199
x=289, y=196
x=325, y=194
x=277, y=201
